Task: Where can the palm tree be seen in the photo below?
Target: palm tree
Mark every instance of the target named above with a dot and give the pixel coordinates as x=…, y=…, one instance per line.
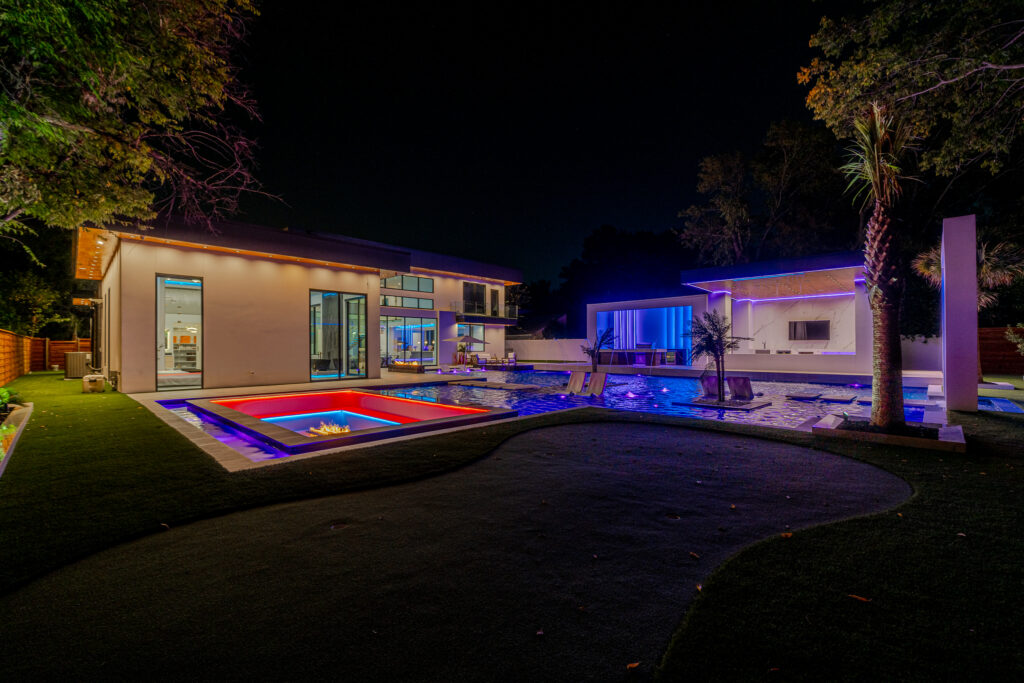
x=602, y=340
x=710, y=334
x=880, y=141
x=999, y=265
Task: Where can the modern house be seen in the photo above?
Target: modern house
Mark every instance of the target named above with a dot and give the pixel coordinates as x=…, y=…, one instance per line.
x=807, y=315
x=186, y=307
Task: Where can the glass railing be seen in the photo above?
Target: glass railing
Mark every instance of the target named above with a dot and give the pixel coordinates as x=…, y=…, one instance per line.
x=477, y=308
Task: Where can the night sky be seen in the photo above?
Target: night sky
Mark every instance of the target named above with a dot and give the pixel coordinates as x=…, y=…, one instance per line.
x=508, y=136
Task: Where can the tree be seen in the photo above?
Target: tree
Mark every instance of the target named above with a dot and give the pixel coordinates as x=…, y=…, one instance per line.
x=114, y=110
x=711, y=337
x=879, y=144
x=603, y=340
x=766, y=206
x=29, y=303
x=999, y=265
x=955, y=68
x=723, y=228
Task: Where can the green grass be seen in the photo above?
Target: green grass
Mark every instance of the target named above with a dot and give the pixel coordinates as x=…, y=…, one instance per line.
x=94, y=470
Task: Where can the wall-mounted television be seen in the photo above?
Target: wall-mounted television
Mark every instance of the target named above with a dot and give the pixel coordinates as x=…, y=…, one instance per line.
x=809, y=330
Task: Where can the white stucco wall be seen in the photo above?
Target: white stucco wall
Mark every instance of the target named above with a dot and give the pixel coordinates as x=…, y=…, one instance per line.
x=255, y=314
x=769, y=323
x=110, y=292
x=547, y=349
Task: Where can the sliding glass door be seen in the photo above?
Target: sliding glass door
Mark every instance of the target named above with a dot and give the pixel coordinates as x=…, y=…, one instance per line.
x=337, y=335
x=179, y=332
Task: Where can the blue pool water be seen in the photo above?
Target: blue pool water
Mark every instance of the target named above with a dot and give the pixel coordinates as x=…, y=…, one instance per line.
x=641, y=393
x=343, y=418
x=660, y=395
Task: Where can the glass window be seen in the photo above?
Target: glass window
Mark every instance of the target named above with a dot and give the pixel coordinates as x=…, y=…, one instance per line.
x=409, y=283
x=408, y=339
x=337, y=335
x=426, y=303
x=179, y=332
x=475, y=331
x=410, y=302
x=473, y=298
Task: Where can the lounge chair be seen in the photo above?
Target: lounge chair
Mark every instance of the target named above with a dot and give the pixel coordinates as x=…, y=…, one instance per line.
x=510, y=358
x=709, y=383
x=595, y=387
x=576, y=380
x=740, y=389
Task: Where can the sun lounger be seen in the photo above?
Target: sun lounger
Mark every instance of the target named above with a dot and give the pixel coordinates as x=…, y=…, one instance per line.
x=740, y=389
x=804, y=395
x=595, y=387
x=576, y=380
x=709, y=383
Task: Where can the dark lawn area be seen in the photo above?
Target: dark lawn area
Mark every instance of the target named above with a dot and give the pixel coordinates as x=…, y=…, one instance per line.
x=930, y=590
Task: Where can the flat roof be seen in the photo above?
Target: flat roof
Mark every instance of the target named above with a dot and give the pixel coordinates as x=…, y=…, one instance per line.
x=821, y=275
x=289, y=243
x=777, y=267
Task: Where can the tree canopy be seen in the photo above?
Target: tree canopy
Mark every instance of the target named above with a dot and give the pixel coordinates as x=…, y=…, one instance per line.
x=115, y=110
x=767, y=205
x=955, y=69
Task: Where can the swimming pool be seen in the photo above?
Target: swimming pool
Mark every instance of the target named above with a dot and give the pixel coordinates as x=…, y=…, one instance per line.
x=311, y=421
x=663, y=395
x=643, y=393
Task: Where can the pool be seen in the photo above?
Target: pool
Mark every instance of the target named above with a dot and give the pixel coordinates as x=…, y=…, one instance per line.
x=663, y=395
x=299, y=423
x=270, y=427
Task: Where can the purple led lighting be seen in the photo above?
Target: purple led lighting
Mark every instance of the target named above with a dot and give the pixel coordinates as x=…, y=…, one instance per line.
x=764, y=277
x=805, y=296
x=720, y=291
x=858, y=280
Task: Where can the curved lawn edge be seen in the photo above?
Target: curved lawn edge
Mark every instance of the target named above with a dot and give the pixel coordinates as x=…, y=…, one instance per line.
x=98, y=470
x=621, y=518
x=911, y=593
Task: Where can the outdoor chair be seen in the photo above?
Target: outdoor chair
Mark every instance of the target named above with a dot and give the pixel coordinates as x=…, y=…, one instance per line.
x=576, y=380
x=510, y=358
x=709, y=383
x=595, y=387
x=740, y=389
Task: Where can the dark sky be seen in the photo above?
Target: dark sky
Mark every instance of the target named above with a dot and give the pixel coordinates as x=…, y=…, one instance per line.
x=508, y=133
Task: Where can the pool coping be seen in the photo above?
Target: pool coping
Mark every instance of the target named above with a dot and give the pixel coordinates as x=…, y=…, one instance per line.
x=234, y=461
x=292, y=442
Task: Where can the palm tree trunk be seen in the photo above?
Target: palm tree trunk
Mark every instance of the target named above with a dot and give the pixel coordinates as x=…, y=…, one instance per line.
x=720, y=376
x=886, y=367
x=885, y=285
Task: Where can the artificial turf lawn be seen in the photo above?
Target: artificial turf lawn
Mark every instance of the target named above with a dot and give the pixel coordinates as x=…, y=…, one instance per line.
x=93, y=470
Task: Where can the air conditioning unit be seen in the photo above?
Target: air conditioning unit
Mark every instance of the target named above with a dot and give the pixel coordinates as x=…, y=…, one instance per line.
x=76, y=364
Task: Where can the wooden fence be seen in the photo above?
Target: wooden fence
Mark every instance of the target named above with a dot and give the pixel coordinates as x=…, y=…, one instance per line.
x=20, y=355
x=998, y=354
x=15, y=356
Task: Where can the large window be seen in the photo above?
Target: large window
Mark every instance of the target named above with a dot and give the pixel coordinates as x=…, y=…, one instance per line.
x=337, y=335
x=409, y=283
x=475, y=331
x=405, y=301
x=662, y=328
x=404, y=338
x=179, y=332
x=474, y=297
